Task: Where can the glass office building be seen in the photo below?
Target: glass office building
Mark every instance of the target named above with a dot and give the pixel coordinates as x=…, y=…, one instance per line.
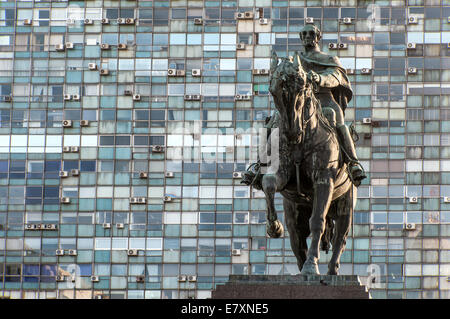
x=122, y=124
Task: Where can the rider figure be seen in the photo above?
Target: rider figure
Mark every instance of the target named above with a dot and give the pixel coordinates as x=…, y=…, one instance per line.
x=333, y=89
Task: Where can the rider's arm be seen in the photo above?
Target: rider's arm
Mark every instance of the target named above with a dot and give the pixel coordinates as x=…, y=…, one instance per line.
x=330, y=78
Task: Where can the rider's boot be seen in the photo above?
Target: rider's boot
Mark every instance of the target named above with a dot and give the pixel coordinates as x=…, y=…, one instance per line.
x=346, y=141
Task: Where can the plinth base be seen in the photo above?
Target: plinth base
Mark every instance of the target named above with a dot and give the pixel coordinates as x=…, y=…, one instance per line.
x=291, y=287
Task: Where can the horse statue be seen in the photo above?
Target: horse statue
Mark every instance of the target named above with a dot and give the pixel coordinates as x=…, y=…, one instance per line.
x=318, y=194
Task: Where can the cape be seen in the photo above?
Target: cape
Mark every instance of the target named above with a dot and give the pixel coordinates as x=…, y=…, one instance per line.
x=342, y=93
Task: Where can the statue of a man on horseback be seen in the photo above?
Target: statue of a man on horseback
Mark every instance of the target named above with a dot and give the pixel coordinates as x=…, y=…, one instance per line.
x=318, y=170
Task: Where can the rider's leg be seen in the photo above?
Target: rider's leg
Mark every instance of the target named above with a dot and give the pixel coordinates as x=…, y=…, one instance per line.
x=347, y=144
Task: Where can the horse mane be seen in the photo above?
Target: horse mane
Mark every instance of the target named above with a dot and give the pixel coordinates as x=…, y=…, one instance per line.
x=311, y=100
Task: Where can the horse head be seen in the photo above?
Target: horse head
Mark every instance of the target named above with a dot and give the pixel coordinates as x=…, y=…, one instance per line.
x=287, y=77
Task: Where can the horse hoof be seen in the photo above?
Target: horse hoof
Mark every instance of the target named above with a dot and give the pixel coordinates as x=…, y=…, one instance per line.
x=333, y=270
x=310, y=268
x=275, y=229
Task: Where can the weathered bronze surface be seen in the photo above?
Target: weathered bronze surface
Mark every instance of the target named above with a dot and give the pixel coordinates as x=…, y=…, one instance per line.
x=318, y=170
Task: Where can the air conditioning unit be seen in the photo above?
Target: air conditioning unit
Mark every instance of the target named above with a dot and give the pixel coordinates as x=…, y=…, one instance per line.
x=70, y=21
x=65, y=200
x=30, y=227
x=73, y=252
x=67, y=97
x=143, y=175
x=367, y=120
x=168, y=174
x=129, y=21
x=309, y=20
x=412, y=70
x=332, y=46
x=60, y=278
x=74, y=149
x=236, y=252
x=136, y=97
x=350, y=71
x=413, y=20
x=138, y=200
x=182, y=278
x=67, y=123
x=106, y=225
x=347, y=20
x=198, y=21
x=122, y=46
x=105, y=46
x=263, y=21
x=88, y=21
x=39, y=226
x=192, y=278
x=105, y=21
x=242, y=97
x=92, y=66
x=50, y=226
x=181, y=73
x=248, y=15
x=240, y=46
x=121, y=20
x=157, y=148
x=196, y=72
x=366, y=71
x=95, y=279
x=447, y=199
x=76, y=97
x=342, y=45
x=7, y=98
x=409, y=226
x=84, y=123
x=104, y=72
x=244, y=15
x=140, y=278
x=120, y=225
x=237, y=175
x=196, y=97
x=27, y=22
x=411, y=45
x=69, y=45
x=128, y=93
x=133, y=252
x=413, y=200
x=59, y=252
x=66, y=149
x=75, y=172
x=60, y=47
x=264, y=71
x=167, y=198
x=172, y=72
x=63, y=174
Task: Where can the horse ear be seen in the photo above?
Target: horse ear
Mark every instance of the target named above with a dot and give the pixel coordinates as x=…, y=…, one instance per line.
x=273, y=61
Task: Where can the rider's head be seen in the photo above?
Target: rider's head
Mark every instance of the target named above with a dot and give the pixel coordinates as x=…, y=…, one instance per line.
x=310, y=35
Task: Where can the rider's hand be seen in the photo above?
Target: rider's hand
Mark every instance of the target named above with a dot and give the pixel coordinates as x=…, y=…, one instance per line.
x=313, y=77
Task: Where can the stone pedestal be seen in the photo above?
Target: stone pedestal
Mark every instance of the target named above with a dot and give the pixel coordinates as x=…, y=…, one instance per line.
x=291, y=287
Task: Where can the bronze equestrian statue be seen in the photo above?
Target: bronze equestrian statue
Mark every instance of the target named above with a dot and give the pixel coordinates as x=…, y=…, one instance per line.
x=316, y=174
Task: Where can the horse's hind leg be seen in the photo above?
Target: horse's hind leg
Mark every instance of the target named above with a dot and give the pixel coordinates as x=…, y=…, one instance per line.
x=297, y=223
x=341, y=228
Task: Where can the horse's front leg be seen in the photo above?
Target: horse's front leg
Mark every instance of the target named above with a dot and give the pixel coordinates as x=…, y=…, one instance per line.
x=270, y=185
x=323, y=191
